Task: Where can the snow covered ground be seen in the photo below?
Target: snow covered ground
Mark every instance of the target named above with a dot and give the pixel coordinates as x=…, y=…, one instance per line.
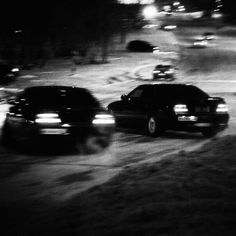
x=56, y=179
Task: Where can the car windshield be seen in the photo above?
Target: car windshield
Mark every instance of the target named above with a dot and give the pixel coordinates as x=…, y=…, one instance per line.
x=61, y=97
x=165, y=67
x=179, y=92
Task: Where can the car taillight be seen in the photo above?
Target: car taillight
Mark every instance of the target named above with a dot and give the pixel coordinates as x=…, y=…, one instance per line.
x=169, y=71
x=103, y=119
x=47, y=118
x=180, y=109
x=222, y=108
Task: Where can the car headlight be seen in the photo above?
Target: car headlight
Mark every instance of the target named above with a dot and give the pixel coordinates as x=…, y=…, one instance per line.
x=222, y=108
x=180, y=109
x=156, y=50
x=47, y=118
x=15, y=70
x=103, y=119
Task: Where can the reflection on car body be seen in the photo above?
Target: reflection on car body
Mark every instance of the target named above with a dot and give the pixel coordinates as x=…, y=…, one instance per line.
x=54, y=111
x=159, y=107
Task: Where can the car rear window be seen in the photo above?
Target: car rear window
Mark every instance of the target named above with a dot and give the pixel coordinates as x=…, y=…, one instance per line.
x=178, y=92
x=75, y=98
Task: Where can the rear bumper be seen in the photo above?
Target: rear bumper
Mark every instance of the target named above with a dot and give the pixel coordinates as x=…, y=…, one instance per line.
x=74, y=131
x=65, y=130
x=202, y=122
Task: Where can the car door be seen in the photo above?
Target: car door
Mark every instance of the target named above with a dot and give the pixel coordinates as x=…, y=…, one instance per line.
x=138, y=106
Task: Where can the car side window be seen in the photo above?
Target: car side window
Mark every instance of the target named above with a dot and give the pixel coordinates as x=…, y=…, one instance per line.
x=137, y=93
x=144, y=93
x=147, y=93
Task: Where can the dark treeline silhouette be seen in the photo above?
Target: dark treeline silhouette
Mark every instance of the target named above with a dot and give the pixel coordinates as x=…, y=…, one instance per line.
x=34, y=31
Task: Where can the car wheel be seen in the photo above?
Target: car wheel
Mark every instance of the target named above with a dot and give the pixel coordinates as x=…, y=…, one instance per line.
x=209, y=132
x=153, y=126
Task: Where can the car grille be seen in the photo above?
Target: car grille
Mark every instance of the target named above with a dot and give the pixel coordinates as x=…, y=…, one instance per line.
x=202, y=109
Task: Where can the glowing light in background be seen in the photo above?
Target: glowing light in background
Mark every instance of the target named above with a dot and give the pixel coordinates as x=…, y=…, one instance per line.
x=150, y=12
x=136, y=1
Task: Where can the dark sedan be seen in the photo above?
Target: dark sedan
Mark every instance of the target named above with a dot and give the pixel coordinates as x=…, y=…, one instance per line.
x=56, y=111
x=142, y=46
x=8, y=72
x=159, y=107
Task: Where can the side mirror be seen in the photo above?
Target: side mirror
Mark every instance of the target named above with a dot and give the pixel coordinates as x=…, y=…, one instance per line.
x=123, y=97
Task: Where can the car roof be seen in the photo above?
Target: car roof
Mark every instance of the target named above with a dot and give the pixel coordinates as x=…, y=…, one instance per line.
x=53, y=88
x=167, y=85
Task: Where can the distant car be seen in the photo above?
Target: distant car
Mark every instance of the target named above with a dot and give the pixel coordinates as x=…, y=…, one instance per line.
x=168, y=27
x=8, y=72
x=141, y=46
x=200, y=43
x=209, y=36
x=57, y=111
x=165, y=72
x=159, y=107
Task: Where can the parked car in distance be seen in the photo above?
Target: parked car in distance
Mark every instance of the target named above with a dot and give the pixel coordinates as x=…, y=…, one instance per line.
x=8, y=72
x=168, y=27
x=209, y=36
x=200, y=43
x=159, y=107
x=57, y=111
x=142, y=46
x=163, y=72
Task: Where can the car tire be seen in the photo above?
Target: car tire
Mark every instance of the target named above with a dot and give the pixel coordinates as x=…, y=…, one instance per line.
x=208, y=133
x=153, y=126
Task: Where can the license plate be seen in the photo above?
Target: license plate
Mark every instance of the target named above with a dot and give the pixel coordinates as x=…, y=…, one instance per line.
x=54, y=131
x=187, y=118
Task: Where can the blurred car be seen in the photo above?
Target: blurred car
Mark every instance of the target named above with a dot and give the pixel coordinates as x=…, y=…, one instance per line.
x=200, y=43
x=159, y=107
x=8, y=72
x=57, y=111
x=149, y=26
x=168, y=27
x=141, y=46
x=165, y=72
x=209, y=36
